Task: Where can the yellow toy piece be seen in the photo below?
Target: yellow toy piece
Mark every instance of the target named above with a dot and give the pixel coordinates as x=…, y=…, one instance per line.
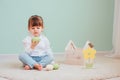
x=89, y=53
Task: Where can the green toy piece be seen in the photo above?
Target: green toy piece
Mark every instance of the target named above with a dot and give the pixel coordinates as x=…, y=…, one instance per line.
x=55, y=66
x=35, y=39
x=89, y=66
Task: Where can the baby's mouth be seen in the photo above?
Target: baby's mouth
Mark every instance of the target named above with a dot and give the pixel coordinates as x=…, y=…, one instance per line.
x=35, y=32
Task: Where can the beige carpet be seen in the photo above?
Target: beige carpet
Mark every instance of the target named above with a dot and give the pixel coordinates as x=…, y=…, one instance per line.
x=104, y=69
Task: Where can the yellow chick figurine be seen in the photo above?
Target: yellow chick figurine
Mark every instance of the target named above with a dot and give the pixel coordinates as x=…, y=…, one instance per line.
x=89, y=55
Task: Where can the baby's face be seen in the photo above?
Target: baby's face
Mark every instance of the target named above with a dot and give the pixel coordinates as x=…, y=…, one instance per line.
x=35, y=30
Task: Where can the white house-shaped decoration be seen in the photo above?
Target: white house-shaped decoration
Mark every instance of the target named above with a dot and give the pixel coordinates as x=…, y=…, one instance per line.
x=73, y=55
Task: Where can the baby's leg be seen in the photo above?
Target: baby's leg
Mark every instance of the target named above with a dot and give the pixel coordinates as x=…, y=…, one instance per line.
x=45, y=60
x=27, y=60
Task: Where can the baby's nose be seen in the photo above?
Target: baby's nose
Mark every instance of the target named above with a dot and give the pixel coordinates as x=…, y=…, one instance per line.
x=35, y=29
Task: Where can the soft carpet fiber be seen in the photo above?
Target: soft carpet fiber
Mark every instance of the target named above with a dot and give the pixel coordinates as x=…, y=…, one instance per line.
x=104, y=69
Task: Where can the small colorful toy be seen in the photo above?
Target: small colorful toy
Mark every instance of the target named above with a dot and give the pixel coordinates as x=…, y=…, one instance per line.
x=55, y=66
x=49, y=67
x=89, y=55
x=35, y=39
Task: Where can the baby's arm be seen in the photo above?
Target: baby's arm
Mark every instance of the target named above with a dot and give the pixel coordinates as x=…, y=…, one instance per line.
x=29, y=45
x=47, y=47
x=33, y=44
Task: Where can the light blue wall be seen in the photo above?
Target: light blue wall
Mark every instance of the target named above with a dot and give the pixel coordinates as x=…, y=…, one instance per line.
x=64, y=20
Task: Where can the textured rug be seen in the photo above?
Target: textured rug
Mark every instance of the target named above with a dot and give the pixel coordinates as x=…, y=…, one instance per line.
x=104, y=69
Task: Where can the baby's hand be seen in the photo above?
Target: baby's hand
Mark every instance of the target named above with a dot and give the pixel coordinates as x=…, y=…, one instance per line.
x=34, y=42
x=35, y=39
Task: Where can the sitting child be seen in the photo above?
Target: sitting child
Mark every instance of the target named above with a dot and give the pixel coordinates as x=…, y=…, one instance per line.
x=37, y=53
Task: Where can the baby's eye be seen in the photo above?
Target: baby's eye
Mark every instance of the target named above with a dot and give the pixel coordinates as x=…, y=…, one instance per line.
x=38, y=27
x=33, y=28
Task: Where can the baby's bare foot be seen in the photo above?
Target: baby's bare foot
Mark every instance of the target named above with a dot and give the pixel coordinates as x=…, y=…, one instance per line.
x=38, y=67
x=26, y=67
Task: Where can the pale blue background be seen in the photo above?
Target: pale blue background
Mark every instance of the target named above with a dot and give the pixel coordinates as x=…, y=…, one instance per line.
x=64, y=20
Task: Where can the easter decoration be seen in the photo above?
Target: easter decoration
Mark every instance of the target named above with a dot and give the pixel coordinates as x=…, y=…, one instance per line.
x=55, y=66
x=73, y=54
x=35, y=39
x=89, y=55
x=50, y=67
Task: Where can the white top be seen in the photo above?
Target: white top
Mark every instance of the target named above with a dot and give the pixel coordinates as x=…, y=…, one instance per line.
x=42, y=48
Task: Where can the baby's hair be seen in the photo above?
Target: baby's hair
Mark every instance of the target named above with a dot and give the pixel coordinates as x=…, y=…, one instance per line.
x=35, y=20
